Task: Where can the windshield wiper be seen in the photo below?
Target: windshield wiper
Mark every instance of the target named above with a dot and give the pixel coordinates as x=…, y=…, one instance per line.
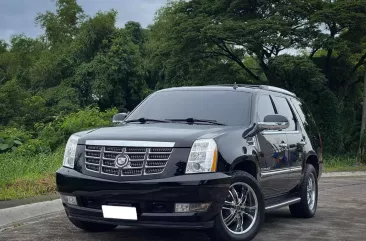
x=144, y=120
x=193, y=120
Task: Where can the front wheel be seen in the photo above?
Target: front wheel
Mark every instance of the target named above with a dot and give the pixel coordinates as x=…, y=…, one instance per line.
x=308, y=192
x=242, y=214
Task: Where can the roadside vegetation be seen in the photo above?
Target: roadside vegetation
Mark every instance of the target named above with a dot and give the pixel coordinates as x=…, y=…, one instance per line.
x=84, y=69
x=29, y=169
x=343, y=163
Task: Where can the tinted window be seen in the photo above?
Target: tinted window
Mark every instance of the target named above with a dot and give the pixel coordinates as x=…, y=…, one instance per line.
x=227, y=107
x=307, y=120
x=284, y=109
x=300, y=110
x=305, y=116
x=265, y=107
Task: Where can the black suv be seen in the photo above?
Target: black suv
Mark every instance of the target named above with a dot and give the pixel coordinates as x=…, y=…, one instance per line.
x=214, y=158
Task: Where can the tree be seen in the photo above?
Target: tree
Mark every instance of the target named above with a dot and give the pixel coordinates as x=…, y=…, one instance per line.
x=342, y=39
x=61, y=26
x=361, y=145
x=235, y=29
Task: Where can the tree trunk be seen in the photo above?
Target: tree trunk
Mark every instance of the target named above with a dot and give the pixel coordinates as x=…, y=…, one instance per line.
x=363, y=123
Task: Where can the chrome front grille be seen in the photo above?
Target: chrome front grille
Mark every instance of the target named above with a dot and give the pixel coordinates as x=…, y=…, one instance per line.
x=142, y=160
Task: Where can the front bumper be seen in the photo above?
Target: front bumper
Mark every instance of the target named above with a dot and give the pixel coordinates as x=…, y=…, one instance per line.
x=154, y=199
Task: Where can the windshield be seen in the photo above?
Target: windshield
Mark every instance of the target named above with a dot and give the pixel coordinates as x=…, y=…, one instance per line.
x=227, y=107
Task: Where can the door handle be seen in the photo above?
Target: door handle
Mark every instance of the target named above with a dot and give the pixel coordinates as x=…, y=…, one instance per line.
x=283, y=145
x=302, y=143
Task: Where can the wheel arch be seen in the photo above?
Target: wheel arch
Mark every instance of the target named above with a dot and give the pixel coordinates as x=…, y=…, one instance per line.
x=247, y=164
x=313, y=159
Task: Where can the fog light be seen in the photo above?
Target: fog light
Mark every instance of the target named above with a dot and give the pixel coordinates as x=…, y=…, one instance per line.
x=69, y=199
x=191, y=207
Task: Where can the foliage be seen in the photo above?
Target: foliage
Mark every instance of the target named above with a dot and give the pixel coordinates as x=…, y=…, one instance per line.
x=57, y=132
x=53, y=134
x=314, y=48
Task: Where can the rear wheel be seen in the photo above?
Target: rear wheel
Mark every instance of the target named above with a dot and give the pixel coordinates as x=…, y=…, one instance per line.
x=308, y=192
x=92, y=227
x=242, y=214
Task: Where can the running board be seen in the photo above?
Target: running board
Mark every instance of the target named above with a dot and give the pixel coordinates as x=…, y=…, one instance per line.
x=283, y=204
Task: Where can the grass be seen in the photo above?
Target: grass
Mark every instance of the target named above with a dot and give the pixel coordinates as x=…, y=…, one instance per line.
x=343, y=163
x=23, y=176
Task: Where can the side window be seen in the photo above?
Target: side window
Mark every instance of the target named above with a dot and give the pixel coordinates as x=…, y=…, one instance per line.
x=284, y=109
x=299, y=109
x=305, y=116
x=265, y=107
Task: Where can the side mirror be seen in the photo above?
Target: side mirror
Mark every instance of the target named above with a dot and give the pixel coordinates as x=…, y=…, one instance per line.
x=118, y=118
x=273, y=122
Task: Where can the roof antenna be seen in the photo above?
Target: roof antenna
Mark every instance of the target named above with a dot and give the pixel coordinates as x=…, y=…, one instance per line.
x=235, y=86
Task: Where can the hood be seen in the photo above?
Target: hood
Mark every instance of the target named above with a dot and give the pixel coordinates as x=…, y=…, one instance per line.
x=182, y=134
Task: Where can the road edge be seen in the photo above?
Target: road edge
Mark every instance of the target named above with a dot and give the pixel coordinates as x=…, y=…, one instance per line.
x=344, y=174
x=19, y=214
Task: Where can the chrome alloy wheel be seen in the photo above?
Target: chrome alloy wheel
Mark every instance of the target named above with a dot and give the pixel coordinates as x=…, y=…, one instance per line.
x=240, y=210
x=311, y=192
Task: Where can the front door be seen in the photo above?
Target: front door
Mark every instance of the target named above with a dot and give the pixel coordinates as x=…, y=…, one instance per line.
x=273, y=152
x=295, y=140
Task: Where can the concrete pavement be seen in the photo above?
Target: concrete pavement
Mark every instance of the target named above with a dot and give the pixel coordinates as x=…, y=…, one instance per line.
x=341, y=216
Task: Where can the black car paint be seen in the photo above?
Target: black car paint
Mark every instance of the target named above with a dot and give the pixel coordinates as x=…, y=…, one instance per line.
x=235, y=150
x=152, y=198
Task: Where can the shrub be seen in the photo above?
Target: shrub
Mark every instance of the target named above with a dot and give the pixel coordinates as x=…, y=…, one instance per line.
x=12, y=138
x=53, y=134
x=58, y=131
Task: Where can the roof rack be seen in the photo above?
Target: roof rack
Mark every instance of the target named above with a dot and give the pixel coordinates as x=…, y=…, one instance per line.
x=264, y=87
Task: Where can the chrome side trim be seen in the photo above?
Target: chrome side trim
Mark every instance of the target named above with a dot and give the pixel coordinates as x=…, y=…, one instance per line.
x=129, y=143
x=272, y=173
x=296, y=169
x=292, y=132
x=279, y=132
x=281, y=171
x=273, y=125
x=280, y=205
x=273, y=132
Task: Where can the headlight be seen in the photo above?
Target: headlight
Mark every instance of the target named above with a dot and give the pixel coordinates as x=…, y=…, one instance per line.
x=70, y=151
x=203, y=157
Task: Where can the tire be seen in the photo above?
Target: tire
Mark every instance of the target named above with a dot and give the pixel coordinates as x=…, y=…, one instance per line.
x=92, y=227
x=220, y=231
x=306, y=209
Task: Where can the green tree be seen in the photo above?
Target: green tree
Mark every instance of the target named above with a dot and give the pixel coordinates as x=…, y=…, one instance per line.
x=61, y=26
x=235, y=29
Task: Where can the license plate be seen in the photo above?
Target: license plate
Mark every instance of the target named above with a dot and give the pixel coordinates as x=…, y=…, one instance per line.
x=118, y=212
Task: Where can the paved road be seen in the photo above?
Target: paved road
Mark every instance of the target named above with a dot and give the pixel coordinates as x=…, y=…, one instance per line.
x=341, y=216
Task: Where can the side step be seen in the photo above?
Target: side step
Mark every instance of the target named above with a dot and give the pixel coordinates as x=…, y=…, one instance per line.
x=283, y=204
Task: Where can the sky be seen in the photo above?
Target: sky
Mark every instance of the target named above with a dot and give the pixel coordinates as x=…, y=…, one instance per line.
x=17, y=16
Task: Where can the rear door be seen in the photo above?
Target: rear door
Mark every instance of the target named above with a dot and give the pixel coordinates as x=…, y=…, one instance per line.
x=309, y=131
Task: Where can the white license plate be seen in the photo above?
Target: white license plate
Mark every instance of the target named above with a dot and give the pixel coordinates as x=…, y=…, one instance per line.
x=117, y=212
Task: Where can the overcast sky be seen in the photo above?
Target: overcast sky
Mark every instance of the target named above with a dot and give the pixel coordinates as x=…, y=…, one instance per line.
x=17, y=16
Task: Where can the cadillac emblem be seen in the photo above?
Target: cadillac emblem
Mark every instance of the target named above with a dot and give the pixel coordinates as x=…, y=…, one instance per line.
x=122, y=160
